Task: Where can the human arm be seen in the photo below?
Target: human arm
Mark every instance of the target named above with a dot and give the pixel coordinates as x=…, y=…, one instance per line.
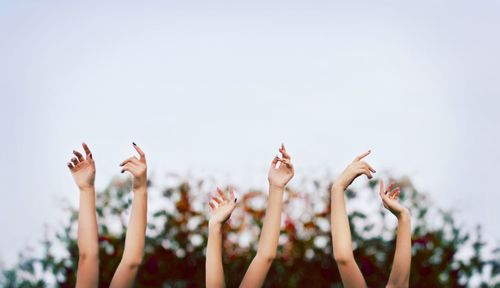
x=280, y=173
x=400, y=272
x=83, y=172
x=341, y=232
x=134, y=239
x=221, y=208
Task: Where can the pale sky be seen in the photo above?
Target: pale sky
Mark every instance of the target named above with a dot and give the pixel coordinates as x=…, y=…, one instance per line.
x=214, y=87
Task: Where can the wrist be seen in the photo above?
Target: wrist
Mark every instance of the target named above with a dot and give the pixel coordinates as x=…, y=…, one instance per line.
x=214, y=226
x=87, y=189
x=404, y=216
x=275, y=187
x=140, y=190
x=338, y=187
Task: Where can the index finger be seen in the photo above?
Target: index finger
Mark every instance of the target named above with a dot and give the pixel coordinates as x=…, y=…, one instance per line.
x=139, y=150
x=231, y=194
x=361, y=156
x=87, y=150
x=382, y=190
x=284, y=153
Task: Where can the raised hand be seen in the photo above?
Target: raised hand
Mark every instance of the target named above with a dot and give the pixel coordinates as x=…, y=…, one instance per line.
x=400, y=272
x=83, y=168
x=279, y=176
x=83, y=171
x=135, y=238
x=390, y=199
x=137, y=167
x=221, y=207
x=354, y=170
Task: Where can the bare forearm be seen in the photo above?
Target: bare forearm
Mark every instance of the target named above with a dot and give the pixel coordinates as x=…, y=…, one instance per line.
x=87, y=225
x=134, y=241
x=400, y=273
x=341, y=232
x=268, y=242
x=214, y=271
x=88, y=247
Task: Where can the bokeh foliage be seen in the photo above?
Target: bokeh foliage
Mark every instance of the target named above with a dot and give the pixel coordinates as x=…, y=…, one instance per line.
x=445, y=254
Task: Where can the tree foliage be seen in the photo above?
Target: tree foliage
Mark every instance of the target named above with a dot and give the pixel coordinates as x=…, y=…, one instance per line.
x=444, y=252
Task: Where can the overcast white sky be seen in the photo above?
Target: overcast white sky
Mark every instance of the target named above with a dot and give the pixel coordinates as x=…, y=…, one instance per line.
x=214, y=87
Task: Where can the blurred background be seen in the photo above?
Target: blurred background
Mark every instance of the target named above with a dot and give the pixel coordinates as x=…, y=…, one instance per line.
x=210, y=91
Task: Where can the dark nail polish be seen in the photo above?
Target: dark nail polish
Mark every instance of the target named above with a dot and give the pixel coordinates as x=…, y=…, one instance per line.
x=235, y=199
x=134, y=144
x=123, y=171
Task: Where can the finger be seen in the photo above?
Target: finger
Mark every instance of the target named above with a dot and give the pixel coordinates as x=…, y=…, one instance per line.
x=130, y=167
x=381, y=191
x=368, y=173
x=231, y=194
x=78, y=155
x=216, y=199
x=130, y=159
x=70, y=165
x=397, y=194
x=369, y=167
x=286, y=162
x=389, y=187
x=87, y=150
x=361, y=156
x=284, y=153
x=139, y=150
x=275, y=161
x=365, y=171
x=221, y=193
x=212, y=205
x=393, y=193
x=75, y=161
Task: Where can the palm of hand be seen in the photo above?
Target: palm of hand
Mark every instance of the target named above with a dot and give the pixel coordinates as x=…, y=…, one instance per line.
x=221, y=207
x=390, y=199
x=393, y=205
x=355, y=169
x=84, y=173
x=281, y=175
x=222, y=213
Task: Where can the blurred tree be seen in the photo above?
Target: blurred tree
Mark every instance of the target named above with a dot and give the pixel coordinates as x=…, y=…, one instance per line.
x=444, y=253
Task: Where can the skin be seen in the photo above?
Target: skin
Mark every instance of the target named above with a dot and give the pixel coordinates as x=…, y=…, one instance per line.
x=341, y=233
x=134, y=240
x=83, y=170
x=400, y=273
x=280, y=173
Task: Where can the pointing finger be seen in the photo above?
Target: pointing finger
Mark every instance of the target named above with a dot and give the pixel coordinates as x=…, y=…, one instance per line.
x=362, y=155
x=87, y=150
x=231, y=194
x=284, y=153
x=139, y=150
x=381, y=191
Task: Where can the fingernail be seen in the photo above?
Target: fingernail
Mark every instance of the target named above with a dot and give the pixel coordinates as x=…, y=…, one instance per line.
x=235, y=199
x=123, y=171
x=134, y=144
